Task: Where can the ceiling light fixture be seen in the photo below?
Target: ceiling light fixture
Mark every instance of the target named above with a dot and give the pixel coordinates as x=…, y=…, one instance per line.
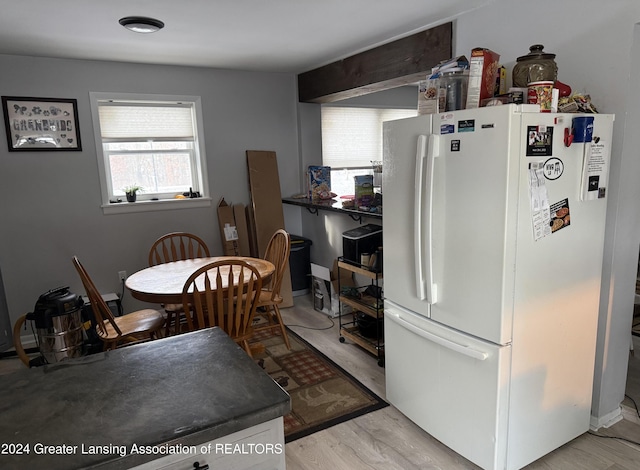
x=141, y=24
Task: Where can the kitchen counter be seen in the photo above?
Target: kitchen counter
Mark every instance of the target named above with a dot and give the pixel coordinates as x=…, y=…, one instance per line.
x=180, y=391
x=330, y=205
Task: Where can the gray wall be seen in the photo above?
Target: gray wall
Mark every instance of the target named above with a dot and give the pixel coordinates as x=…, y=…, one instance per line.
x=50, y=206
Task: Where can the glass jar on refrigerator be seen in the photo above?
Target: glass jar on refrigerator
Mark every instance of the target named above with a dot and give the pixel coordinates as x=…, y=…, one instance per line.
x=455, y=81
x=536, y=66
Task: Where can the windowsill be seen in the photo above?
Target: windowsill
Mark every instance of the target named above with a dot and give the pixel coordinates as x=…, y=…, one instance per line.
x=151, y=206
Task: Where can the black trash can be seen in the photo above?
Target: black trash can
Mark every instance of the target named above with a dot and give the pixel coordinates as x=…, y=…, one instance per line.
x=300, y=265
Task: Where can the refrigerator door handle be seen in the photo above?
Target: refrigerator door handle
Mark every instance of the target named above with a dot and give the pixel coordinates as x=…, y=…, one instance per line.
x=432, y=154
x=421, y=154
x=459, y=348
x=428, y=148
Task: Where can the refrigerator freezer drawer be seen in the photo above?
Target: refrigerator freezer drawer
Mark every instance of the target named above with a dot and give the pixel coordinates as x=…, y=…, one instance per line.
x=452, y=385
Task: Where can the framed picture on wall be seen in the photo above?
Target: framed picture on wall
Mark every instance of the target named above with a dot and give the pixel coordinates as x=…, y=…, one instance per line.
x=41, y=124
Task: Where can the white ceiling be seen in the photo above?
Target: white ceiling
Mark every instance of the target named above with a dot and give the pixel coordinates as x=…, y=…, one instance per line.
x=259, y=35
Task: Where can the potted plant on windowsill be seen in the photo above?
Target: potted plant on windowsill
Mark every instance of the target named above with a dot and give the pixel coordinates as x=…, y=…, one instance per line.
x=130, y=192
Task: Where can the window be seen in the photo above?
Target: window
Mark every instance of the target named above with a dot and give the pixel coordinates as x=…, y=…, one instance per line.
x=352, y=137
x=149, y=141
x=352, y=141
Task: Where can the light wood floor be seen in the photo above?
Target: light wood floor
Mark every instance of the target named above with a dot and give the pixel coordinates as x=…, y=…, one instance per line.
x=387, y=440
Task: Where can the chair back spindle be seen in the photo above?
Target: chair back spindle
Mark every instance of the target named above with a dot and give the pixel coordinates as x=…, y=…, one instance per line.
x=224, y=294
x=177, y=246
x=101, y=310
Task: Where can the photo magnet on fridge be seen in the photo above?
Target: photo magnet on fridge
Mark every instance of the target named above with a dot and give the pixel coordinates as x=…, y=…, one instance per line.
x=539, y=141
x=594, y=183
x=560, y=216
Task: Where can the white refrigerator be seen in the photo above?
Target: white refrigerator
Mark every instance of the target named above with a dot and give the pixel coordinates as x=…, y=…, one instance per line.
x=493, y=241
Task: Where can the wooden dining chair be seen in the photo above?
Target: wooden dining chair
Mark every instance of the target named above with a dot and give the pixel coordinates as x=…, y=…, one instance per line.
x=277, y=252
x=176, y=246
x=141, y=325
x=224, y=294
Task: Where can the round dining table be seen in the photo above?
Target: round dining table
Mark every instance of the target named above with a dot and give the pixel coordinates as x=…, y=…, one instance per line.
x=163, y=283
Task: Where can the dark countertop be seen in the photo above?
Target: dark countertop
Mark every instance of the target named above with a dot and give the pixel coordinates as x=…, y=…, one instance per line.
x=182, y=390
x=330, y=205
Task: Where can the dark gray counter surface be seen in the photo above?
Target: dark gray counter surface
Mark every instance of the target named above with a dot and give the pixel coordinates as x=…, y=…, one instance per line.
x=331, y=205
x=182, y=390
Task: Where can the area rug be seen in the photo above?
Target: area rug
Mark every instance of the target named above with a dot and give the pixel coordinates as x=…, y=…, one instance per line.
x=322, y=393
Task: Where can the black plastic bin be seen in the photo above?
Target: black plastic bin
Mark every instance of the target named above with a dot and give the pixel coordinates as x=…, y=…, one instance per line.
x=300, y=265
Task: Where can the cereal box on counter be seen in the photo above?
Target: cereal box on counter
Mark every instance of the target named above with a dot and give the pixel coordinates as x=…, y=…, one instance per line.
x=364, y=190
x=319, y=182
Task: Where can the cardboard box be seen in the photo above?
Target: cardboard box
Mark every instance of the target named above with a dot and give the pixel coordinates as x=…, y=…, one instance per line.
x=422, y=98
x=233, y=229
x=325, y=289
x=506, y=98
x=431, y=96
x=363, y=190
x=501, y=81
x=228, y=231
x=319, y=182
x=483, y=69
x=240, y=217
x=266, y=214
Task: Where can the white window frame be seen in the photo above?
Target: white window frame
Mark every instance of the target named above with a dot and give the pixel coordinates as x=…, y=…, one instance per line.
x=199, y=167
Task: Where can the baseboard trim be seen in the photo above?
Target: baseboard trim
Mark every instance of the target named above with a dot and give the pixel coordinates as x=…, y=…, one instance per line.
x=629, y=413
x=28, y=342
x=607, y=420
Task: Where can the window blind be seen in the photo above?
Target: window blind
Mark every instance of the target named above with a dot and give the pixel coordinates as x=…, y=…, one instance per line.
x=352, y=137
x=120, y=121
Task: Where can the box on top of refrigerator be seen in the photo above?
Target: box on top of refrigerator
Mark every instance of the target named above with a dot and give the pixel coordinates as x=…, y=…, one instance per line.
x=483, y=69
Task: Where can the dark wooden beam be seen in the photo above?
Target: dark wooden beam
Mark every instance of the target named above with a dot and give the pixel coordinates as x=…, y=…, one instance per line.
x=407, y=60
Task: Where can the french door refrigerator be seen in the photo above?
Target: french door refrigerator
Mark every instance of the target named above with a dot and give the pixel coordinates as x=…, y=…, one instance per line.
x=493, y=242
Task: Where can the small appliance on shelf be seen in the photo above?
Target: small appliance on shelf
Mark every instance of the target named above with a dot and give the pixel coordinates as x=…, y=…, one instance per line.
x=360, y=242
